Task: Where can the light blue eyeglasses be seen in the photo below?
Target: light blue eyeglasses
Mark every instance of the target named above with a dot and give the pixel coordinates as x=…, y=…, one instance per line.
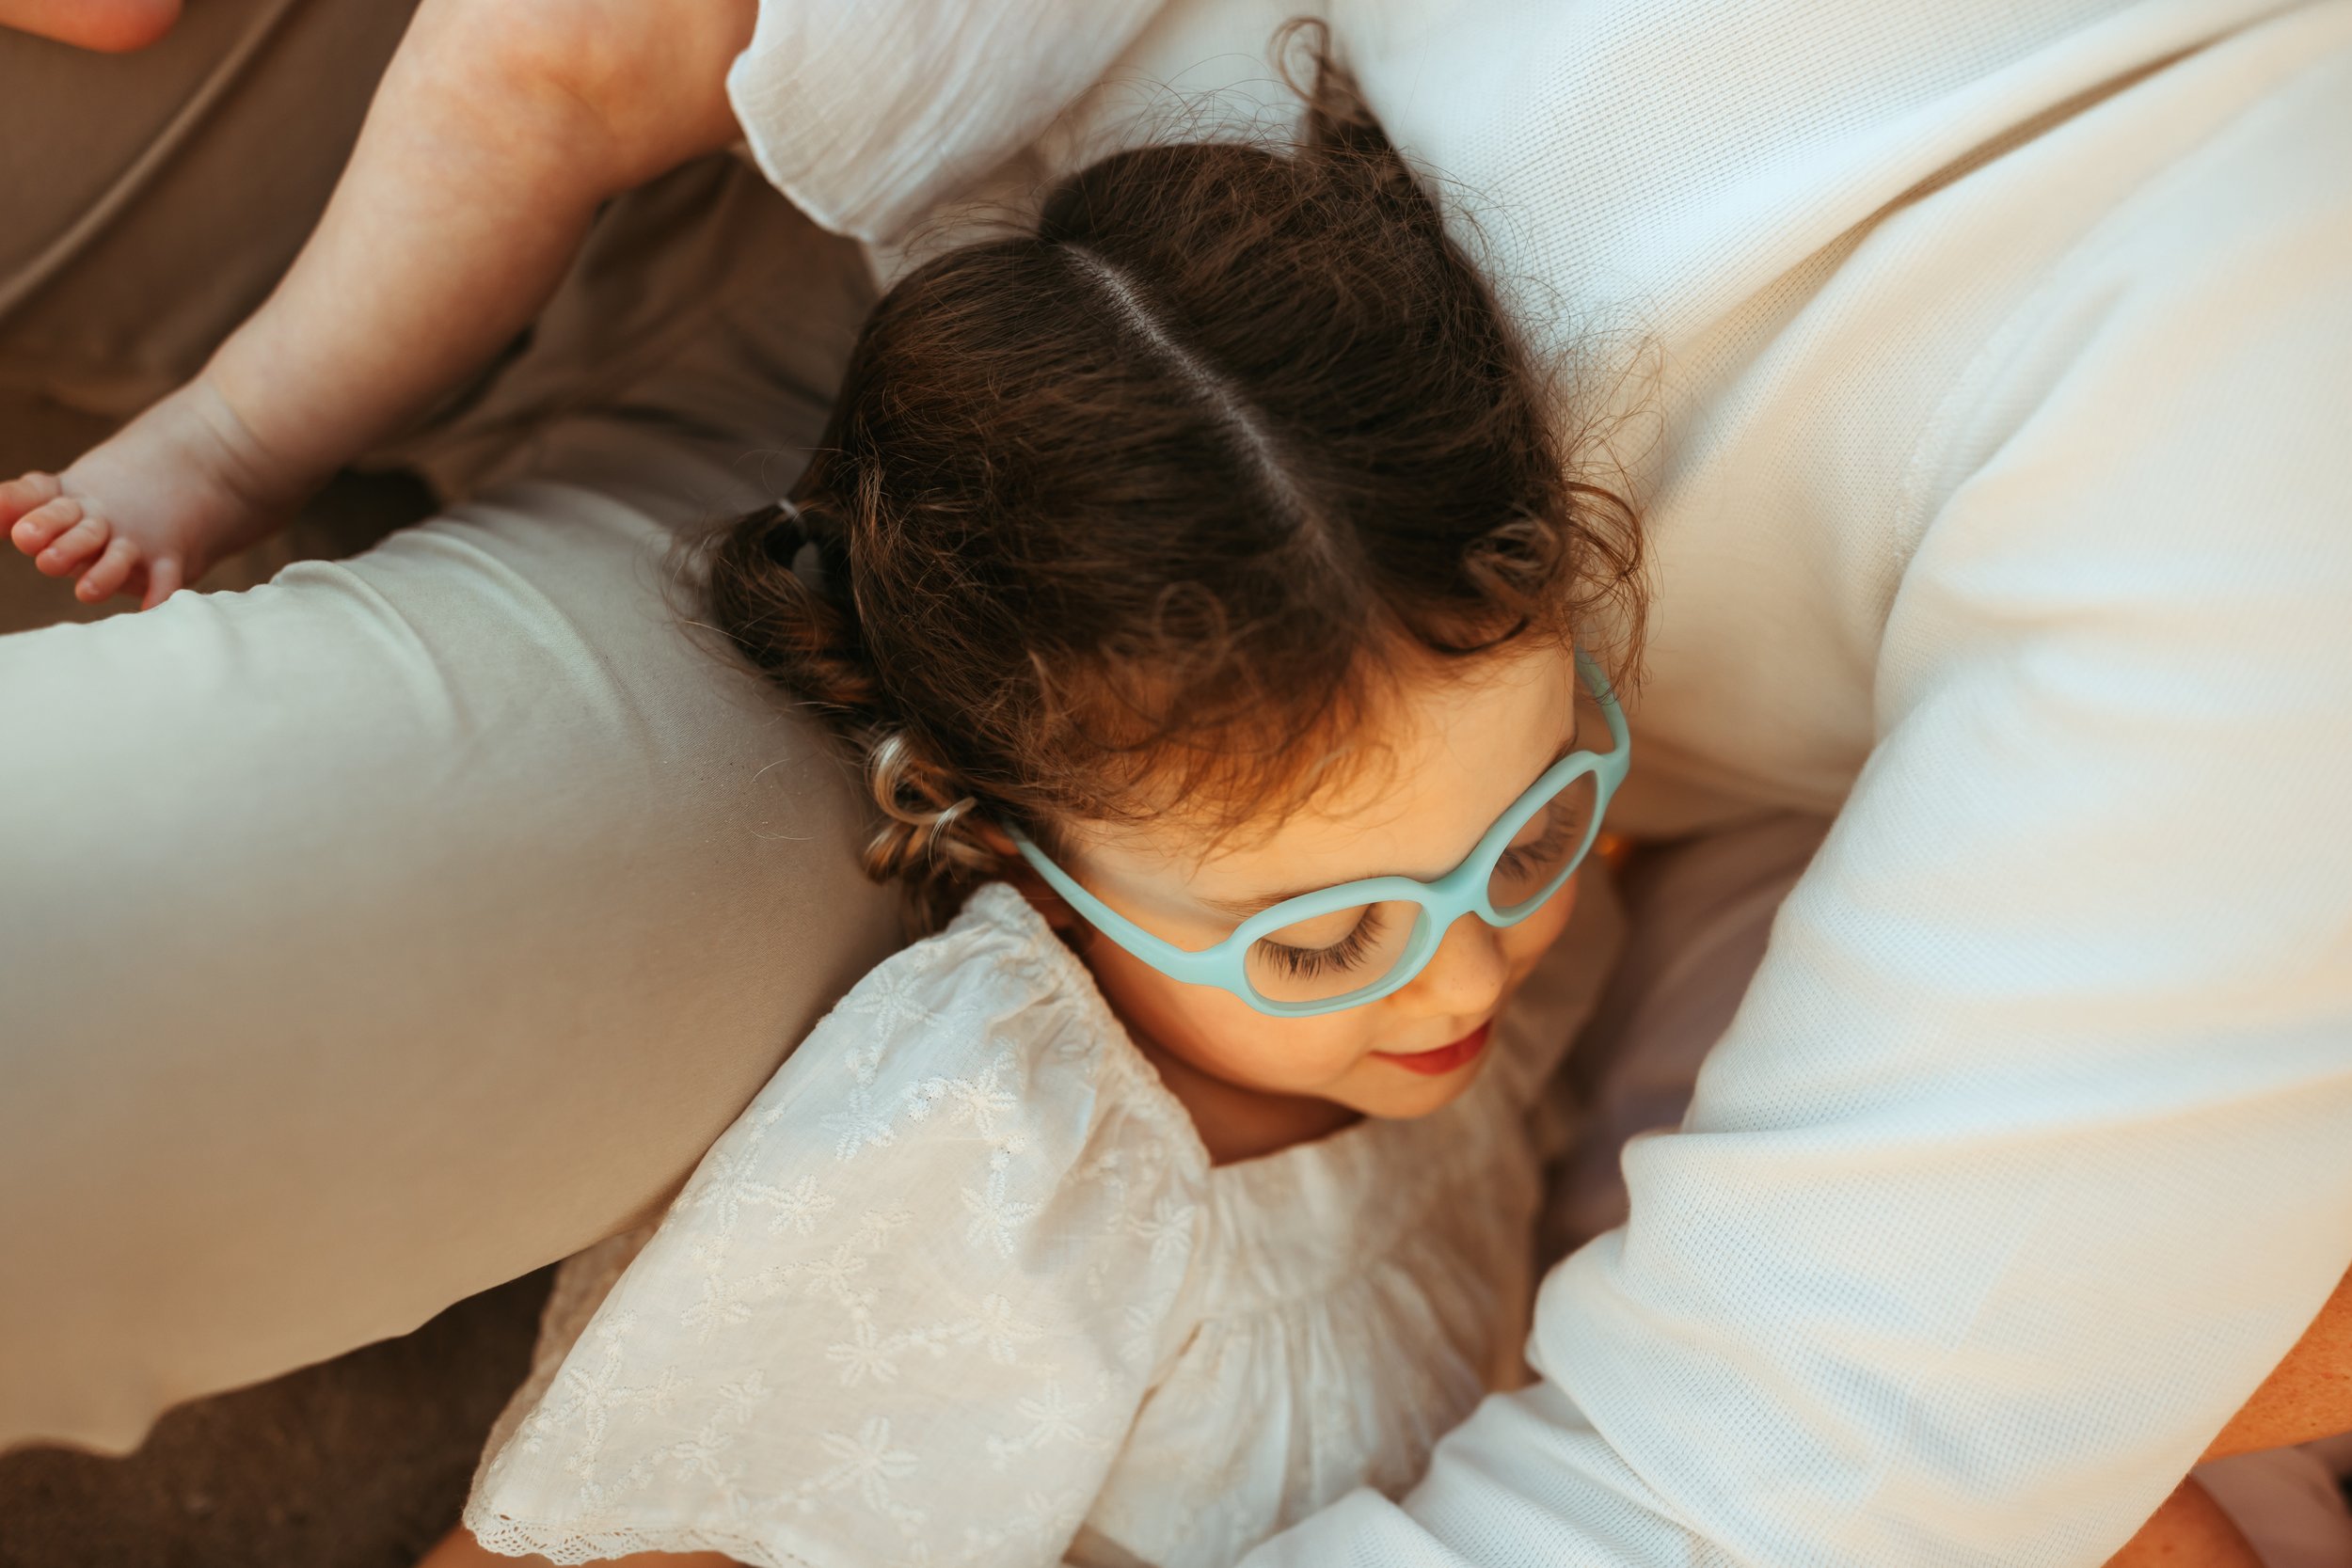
x=1346, y=945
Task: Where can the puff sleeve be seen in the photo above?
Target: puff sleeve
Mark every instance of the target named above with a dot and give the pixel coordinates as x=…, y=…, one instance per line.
x=867, y=113
x=909, y=1304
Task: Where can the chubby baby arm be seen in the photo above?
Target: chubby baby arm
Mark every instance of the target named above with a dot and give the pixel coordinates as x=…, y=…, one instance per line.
x=499, y=129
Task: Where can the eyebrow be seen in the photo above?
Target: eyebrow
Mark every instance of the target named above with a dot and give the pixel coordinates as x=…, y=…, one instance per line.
x=1242, y=908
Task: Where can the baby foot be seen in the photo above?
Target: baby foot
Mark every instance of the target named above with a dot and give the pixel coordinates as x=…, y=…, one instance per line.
x=66, y=534
x=152, y=508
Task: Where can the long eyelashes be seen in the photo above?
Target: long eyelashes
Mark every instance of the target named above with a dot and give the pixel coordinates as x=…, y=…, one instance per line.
x=1305, y=963
x=1526, y=859
x=1561, y=835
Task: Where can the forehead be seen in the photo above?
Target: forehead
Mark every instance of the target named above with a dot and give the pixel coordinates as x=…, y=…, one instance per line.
x=1439, y=759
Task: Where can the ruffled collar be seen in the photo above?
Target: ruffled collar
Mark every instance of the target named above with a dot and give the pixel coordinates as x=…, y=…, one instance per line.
x=1299, y=1222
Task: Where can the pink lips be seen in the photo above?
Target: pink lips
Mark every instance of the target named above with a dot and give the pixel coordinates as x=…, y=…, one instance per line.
x=1446, y=1057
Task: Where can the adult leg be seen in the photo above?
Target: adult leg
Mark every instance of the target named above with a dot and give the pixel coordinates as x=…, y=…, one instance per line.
x=386, y=931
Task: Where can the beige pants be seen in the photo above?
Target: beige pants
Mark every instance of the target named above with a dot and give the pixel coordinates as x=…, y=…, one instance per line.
x=378, y=934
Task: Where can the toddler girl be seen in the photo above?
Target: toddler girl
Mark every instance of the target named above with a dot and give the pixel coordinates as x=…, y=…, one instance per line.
x=1194, y=577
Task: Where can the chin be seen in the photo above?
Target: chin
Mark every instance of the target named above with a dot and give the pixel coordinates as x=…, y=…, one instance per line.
x=1406, y=1102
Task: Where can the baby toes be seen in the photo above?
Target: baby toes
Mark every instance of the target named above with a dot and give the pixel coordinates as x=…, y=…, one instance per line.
x=112, y=569
x=75, y=535
x=19, y=497
x=163, y=581
x=39, y=527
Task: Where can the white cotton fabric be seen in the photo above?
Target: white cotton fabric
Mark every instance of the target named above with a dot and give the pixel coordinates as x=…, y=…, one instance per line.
x=845, y=108
x=961, y=1287
x=1984, y=370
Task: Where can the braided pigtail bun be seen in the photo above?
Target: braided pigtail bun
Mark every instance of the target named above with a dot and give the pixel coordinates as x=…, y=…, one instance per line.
x=780, y=587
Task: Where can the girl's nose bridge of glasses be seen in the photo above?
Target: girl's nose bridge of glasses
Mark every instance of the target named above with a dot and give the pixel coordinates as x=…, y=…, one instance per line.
x=1469, y=948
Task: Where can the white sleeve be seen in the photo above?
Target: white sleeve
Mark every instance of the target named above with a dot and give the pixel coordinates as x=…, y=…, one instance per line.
x=911, y=1299
x=581, y=1283
x=867, y=113
x=2030, y=1150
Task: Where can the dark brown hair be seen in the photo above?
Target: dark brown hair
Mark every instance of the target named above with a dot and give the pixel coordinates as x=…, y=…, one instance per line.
x=1145, y=505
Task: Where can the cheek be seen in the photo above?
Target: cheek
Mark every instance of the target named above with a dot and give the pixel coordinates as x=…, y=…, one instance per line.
x=1220, y=1033
x=1524, y=944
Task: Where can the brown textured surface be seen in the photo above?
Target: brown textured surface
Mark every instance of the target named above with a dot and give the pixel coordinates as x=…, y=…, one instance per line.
x=361, y=1462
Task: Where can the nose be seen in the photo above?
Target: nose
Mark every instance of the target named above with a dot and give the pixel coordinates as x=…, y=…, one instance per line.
x=1465, y=975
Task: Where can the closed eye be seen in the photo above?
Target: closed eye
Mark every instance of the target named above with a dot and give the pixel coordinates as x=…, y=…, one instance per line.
x=1305, y=963
x=1560, y=835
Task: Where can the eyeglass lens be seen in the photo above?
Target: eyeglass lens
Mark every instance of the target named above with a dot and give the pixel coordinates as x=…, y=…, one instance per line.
x=1332, y=954
x=1347, y=950
x=1539, y=851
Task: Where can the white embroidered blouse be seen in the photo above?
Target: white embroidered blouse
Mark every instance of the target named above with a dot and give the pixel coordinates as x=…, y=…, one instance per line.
x=961, y=1287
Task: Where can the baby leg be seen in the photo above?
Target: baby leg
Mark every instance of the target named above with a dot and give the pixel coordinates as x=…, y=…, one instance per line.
x=153, y=200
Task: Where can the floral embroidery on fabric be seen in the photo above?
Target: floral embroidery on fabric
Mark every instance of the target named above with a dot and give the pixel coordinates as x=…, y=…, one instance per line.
x=960, y=1281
